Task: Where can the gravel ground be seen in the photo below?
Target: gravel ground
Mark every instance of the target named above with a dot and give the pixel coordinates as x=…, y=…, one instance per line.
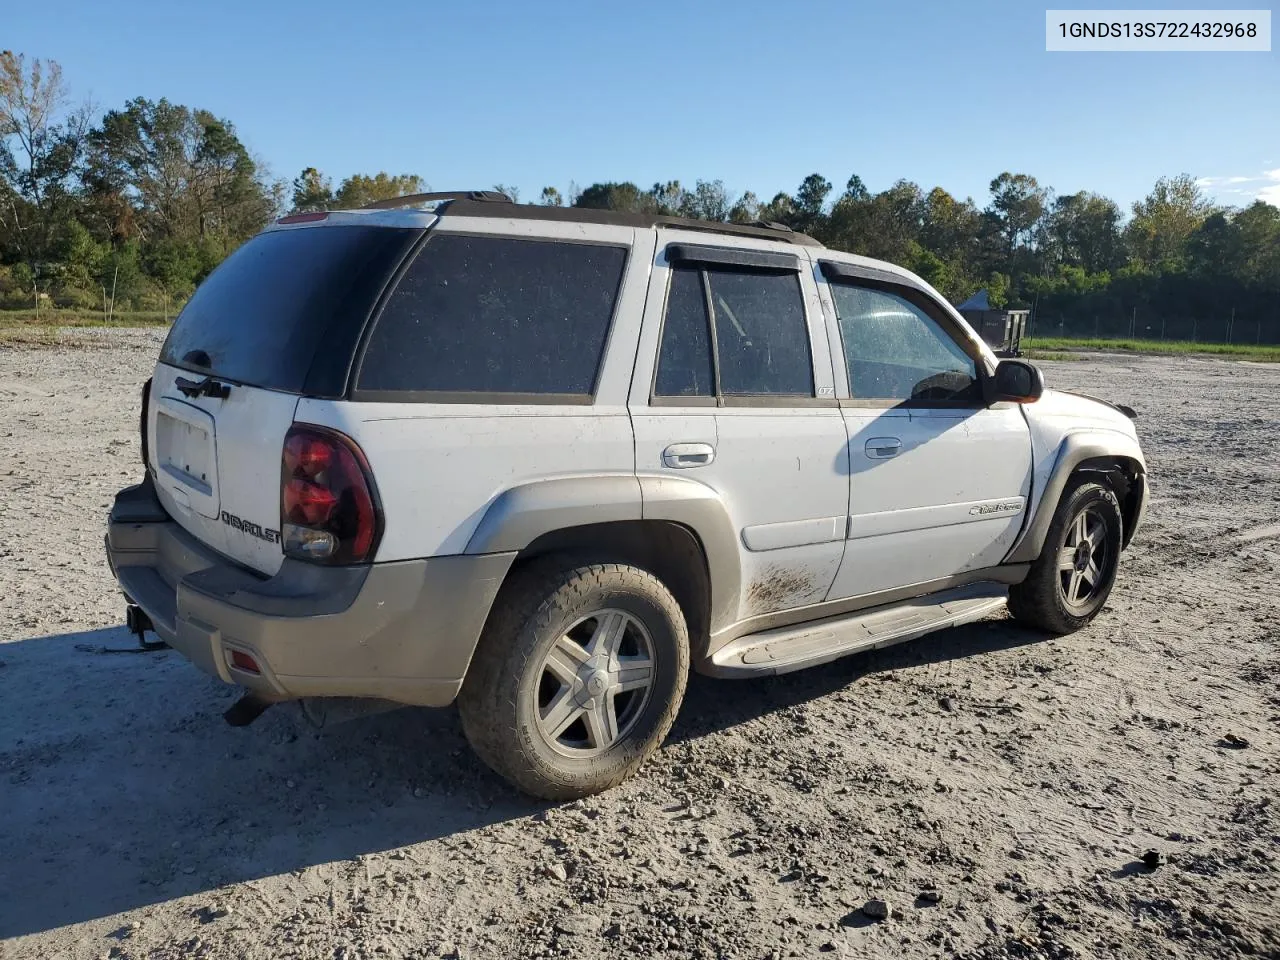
x=996, y=789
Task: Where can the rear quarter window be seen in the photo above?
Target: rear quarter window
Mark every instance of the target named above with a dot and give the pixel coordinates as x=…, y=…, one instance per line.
x=475, y=315
x=285, y=300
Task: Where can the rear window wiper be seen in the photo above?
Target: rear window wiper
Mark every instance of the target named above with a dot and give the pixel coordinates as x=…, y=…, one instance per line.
x=208, y=387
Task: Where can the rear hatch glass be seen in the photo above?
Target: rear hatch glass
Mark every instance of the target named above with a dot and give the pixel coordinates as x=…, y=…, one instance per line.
x=286, y=310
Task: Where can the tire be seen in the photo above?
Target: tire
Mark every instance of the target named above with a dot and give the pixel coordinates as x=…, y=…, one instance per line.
x=566, y=647
x=1060, y=594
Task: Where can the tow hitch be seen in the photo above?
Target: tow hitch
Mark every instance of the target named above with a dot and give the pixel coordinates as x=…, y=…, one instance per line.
x=136, y=619
x=138, y=623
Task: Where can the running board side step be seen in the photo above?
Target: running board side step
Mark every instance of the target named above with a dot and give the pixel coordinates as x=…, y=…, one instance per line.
x=785, y=649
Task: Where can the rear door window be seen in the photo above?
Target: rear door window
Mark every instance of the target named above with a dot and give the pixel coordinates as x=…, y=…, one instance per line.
x=476, y=315
x=761, y=338
x=281, y=298
x=754, y=342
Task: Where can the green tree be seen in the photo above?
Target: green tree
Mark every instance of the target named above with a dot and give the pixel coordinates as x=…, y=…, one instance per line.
x=1083, y=230
x=312, y=191
x=668, y=199
x=855, y=190
x=707, y=201
x=746, y=210
x=185, y=173
x=949, y=227
x=624, y=196
x=1017, y=203
x=1164, y=220
x=781, y=209
x=360, y=190
x=810, y=202
x=1259, y=257
x=998, y=285
x=551, y=197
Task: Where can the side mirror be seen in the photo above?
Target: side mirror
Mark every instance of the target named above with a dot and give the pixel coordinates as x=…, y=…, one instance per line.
x=1017, y=381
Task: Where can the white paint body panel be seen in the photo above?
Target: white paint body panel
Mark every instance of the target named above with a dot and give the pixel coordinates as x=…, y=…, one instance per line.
x=1057, y=415
x=438, y=467
x=910, y=515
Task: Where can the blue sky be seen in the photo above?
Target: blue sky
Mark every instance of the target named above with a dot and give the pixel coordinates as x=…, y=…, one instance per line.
x=757, y=94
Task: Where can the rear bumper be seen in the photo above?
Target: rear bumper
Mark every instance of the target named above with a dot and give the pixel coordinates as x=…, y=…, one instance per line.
x=400, y=631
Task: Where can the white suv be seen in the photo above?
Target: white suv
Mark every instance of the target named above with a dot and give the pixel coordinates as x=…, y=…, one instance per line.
x=545, y=460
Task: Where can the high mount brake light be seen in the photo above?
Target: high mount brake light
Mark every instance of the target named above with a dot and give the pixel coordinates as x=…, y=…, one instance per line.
x=304, y=217
x=329, y=510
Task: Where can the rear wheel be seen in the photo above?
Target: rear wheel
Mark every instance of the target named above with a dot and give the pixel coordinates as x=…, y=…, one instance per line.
x=577, y=677
x=1071, y=579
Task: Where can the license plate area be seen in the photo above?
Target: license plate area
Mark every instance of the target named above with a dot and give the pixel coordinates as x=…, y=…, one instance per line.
x=186, y=454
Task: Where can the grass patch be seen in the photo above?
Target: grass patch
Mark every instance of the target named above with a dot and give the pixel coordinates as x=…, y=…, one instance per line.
x=10, y=319
x=1235, y=351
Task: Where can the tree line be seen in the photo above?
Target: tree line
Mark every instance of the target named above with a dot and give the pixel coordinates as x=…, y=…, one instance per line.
x=133, y=208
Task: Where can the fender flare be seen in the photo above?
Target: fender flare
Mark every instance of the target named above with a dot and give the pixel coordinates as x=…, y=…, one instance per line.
x=696, y=506
x=1074, y=449
x=521, y=514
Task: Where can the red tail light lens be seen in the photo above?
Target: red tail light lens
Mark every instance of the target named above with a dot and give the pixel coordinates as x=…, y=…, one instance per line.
x=328, y=505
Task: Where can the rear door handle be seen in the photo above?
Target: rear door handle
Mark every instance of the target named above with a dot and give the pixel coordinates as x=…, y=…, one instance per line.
x=681, y=456
x=882, y=448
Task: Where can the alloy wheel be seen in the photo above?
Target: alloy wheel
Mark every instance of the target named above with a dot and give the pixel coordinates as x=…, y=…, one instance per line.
x=1084, y=559
x=594, y=683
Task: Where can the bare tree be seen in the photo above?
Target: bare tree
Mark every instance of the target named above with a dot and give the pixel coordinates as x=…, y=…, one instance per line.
x=41, y=137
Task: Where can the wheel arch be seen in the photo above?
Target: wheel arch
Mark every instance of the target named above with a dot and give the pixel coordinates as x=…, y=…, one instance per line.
x=1114, y=458
x=678, y=529
x=670, y=551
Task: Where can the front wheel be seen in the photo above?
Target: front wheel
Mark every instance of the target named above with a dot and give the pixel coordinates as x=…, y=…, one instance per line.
x=1070, y=581
x=577, y=677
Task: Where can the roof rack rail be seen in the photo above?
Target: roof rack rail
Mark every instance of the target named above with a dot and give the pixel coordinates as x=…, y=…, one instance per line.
x=413, y=199
x=494, y=205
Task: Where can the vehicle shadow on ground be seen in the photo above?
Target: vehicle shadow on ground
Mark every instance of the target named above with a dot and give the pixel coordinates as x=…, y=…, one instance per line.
x=726, y=703
x=121, y=786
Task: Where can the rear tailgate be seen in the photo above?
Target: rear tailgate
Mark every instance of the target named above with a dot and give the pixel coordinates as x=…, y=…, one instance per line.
x=279, y=319
x=216, y=463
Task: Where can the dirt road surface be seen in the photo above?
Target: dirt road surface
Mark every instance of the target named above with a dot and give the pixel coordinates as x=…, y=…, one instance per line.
x=1019, y=777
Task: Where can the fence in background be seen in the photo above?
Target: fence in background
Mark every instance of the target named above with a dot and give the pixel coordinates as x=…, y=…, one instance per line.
x=1237, y=328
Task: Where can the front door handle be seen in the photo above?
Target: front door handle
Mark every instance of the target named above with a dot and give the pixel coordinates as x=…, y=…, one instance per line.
x=882, y=448
x=681, y=456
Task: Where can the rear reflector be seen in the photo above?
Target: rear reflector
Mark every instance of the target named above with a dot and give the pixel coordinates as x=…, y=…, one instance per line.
x=242, y=661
